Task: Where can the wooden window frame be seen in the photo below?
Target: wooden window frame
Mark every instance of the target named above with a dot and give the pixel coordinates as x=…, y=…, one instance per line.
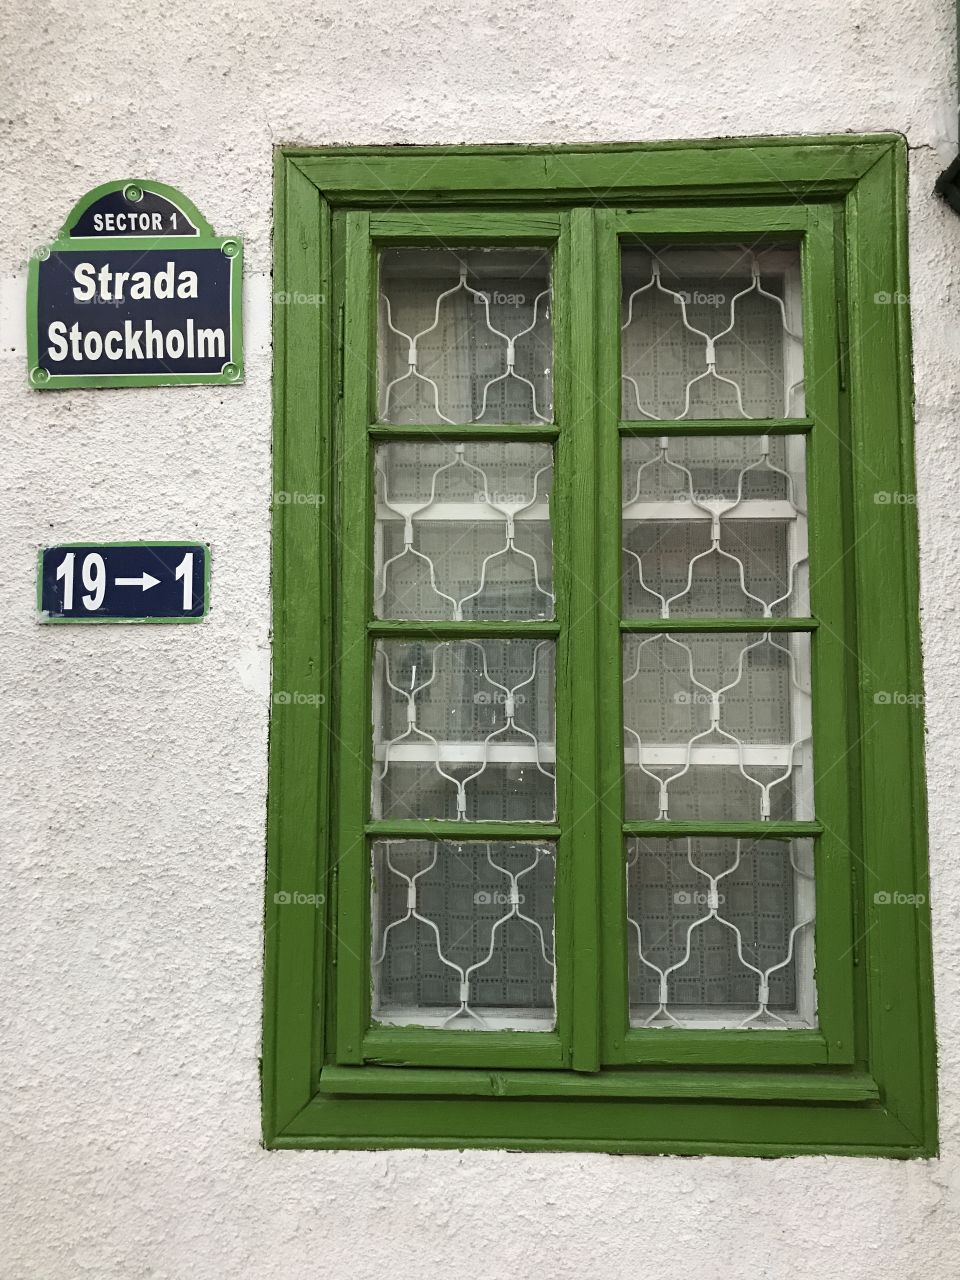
x=864, y=1081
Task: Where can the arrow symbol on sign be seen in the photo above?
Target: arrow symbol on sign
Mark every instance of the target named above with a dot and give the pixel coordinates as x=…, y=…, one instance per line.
x=144, y=582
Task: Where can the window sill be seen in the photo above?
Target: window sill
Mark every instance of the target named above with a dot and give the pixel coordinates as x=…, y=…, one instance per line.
x=814, y=1086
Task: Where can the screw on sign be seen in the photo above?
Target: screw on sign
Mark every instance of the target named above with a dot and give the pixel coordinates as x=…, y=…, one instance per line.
x=123, y=582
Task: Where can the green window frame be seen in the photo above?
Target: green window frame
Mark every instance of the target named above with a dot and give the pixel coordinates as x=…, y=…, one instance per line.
x=864, y=1081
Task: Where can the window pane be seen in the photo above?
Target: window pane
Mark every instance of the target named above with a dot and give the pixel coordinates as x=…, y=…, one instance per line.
x=720, y=933
x=465, y=335
x=714, y=526
x=463, y=934
x=717, y=728
x=463, y=531
x=711, y=333
x=464, y=729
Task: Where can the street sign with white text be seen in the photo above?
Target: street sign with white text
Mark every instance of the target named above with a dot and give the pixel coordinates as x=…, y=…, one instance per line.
x=124, y=582
x=136, y=291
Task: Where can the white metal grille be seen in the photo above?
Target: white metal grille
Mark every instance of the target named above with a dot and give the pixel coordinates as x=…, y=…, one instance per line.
x=714, y=526
x=463, y=531
x=465, y=336
x=717, y=727
x=463, y=934
x=711, y=333
x=464, y=730
x=720, y=933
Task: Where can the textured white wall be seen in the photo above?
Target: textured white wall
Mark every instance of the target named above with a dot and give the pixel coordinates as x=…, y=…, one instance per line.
x=133, y=827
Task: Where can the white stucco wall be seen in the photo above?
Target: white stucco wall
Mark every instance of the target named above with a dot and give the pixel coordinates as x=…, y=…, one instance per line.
x=133, y=809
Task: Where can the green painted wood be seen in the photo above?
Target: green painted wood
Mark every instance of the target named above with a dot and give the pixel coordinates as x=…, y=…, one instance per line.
x=670, y=1046
x=442, y=829
x=715, y=426
x=749, y=830
x=327, y=1001
x=833, y=671
x=574, y=508
x=298, y=796
x=609, y=660
x=920, y=1080
x=527, y=228
x=461, y=630
x=533, y=432
x=354, y=723
x=628, y=1125
x=895, y=937
x=731, y=222
x=745, y=169
x=419, y=1046
x=632, y=625
x=823, y=1086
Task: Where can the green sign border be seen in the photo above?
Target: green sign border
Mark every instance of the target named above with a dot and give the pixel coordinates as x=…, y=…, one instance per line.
x=232, y=246
x=47, y=621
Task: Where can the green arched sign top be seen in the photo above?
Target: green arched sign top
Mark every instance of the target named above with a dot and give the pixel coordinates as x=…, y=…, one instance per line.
x=134, y=207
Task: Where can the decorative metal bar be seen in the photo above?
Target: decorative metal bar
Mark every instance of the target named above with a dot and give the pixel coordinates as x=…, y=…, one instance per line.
x=475, y=957
x=713, y=272
x=760, y=959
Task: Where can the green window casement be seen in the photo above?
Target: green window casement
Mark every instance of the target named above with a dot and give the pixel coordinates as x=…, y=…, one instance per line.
x=596, y=811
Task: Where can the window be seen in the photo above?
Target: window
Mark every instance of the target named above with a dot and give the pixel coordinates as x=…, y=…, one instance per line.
x=594, y=822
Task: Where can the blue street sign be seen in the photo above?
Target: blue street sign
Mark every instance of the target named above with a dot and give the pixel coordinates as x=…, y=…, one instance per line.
x=126, y=312
x=137, y=291
x=124, y=582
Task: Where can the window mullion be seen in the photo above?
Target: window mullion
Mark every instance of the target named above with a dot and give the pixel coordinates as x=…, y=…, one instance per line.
x=579, y=712
x=609, y=655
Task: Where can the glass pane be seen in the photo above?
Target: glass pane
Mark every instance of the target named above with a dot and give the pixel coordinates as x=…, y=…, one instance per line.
x=464, y=730
x=711, y=333
x=462, y=934
x=717, y=728
x=720, y=933
x=714, y=526
x=463, y=531
x=465, y=335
